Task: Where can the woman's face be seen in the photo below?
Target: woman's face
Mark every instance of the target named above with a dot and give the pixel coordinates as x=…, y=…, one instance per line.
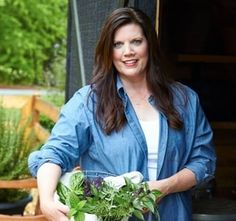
x=130, y=51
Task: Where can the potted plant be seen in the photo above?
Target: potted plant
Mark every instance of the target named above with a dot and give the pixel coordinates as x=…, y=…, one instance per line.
x=16, y=142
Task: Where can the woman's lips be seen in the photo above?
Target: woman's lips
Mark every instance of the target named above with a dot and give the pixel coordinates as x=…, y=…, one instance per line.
x=130, y=63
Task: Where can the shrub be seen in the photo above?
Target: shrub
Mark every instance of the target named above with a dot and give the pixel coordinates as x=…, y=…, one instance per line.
x=16, y=143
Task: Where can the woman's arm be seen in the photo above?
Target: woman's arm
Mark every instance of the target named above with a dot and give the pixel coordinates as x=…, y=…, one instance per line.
x=47, y=179
x=181, y=181
x=200, y=166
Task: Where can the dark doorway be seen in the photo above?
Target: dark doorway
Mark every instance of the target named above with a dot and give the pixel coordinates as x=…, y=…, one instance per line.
x=198, y=41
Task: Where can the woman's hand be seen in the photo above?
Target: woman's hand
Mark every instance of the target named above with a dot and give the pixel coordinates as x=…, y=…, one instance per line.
x=54, y=210
x=161, y=185
x=181, y=181
x=47, y=178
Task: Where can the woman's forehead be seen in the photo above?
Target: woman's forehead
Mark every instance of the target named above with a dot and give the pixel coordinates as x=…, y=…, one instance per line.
x=131, y=30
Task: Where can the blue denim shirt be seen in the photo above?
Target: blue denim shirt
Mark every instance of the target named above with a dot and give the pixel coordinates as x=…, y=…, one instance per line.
x=77, y=139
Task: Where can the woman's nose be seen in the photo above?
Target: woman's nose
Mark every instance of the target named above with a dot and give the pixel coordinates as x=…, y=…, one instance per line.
x=128, y=50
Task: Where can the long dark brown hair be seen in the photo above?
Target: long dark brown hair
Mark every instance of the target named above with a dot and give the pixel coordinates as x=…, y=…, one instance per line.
x=109, y=106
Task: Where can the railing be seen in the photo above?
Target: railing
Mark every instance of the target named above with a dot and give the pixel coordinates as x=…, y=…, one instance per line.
x=33, y=108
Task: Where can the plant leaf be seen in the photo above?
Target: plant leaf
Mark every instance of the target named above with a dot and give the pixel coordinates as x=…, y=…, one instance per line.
x=80, y=216
x=73, y=200
x=63, y=192
x=138, y=214
x=76, y=181
x=149, y=206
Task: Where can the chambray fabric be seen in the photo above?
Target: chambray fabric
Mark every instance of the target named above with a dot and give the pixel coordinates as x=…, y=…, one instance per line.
x=77, y=139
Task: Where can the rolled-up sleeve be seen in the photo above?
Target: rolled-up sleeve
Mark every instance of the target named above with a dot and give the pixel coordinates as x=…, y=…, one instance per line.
x=68, y=140
x=202, y=158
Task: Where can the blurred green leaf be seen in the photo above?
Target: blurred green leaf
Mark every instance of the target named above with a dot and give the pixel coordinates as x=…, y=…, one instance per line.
x=32, y=40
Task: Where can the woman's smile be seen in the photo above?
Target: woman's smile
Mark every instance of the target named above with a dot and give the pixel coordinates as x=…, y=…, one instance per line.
x=130, y=63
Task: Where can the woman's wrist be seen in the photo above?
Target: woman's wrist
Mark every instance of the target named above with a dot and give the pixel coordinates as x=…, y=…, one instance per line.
x=164, y=186
x=181, y=181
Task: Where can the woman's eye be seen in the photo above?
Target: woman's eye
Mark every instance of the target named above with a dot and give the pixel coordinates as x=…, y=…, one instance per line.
x=117, y=44
x=137, y=41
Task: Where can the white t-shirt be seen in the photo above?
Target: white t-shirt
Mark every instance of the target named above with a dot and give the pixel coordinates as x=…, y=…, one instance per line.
x=151, y=131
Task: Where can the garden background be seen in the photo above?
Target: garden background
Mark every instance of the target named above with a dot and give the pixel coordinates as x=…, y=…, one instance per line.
x=33, y=44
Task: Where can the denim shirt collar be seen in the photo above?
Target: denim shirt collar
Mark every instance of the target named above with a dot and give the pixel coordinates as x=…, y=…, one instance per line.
x=122, y=94
x=120, y=87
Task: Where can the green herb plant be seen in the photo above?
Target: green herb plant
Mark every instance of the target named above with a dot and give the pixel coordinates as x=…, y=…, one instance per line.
x=15, y=148
x=108, y=203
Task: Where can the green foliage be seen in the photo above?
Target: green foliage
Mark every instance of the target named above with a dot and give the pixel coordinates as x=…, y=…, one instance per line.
x=46, y=122
x=57, y=99
x=14, y=147
x=32, y=41
x=16, y=143
x=104, y=200
x=12, y=195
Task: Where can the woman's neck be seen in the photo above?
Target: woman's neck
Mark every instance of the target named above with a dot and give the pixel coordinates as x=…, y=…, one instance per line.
x=138, y=93
x=136, y=87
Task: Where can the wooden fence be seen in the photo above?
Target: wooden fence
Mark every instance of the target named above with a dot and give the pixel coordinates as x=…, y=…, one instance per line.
x=32, y=107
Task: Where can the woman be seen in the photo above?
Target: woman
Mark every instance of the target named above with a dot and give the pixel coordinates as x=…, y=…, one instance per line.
x=130, y=118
